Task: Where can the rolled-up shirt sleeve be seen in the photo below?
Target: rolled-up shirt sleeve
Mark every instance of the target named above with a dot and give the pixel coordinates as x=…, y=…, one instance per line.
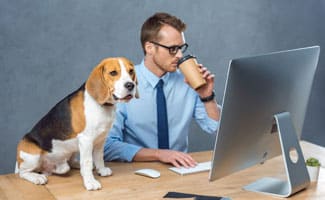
x=201, y=116
x=115, y=148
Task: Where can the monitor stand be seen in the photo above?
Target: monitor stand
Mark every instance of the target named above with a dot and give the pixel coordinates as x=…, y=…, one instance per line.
x=297, y=175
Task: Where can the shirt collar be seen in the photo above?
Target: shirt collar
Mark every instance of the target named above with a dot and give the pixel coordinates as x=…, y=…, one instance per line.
x=150, y=77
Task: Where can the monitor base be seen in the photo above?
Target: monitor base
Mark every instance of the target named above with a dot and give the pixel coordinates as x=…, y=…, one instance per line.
x=296, y=171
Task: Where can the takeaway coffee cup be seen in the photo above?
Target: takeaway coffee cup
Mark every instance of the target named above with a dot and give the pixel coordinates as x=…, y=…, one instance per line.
x=189, y=67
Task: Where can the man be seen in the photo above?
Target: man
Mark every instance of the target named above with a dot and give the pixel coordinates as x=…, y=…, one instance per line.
x=134, y=135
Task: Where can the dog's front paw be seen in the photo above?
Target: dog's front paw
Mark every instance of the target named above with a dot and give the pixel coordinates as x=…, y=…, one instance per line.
x=92, y=184
x=38, y=179
x=105, y=171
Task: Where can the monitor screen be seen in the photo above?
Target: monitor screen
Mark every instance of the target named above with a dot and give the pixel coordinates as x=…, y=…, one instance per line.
x=257, y=89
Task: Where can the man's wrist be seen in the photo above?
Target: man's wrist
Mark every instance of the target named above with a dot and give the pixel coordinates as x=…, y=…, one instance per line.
x=208, y=98
x=157, y=154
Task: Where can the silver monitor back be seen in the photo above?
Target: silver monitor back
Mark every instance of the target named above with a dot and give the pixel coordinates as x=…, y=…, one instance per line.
x=257, y=88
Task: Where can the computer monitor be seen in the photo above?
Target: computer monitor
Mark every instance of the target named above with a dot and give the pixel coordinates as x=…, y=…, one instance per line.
x=262, y=116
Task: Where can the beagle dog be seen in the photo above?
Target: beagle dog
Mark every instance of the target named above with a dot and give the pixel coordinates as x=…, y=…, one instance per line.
x=78, y=124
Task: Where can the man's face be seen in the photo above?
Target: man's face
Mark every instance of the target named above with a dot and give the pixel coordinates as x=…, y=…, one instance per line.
x=161, y=56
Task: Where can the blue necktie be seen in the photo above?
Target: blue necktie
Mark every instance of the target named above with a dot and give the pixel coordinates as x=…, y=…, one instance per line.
x=162, y=121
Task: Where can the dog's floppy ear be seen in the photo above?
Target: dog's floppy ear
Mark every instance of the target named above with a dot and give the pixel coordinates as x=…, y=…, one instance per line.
x=95, y=84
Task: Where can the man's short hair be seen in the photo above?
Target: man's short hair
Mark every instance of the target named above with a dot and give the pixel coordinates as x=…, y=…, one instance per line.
x=152, y=26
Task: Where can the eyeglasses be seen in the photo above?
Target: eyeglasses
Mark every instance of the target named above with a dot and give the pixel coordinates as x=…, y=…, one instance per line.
x=173, y=49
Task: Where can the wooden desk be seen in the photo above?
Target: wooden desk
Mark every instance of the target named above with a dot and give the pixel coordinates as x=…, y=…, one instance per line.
x=125, y=185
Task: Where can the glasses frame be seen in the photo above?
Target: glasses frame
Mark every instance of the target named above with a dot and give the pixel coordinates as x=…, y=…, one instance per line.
x=171, y=49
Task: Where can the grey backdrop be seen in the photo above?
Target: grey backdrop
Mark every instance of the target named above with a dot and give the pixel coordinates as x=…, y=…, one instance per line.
x=48, y=48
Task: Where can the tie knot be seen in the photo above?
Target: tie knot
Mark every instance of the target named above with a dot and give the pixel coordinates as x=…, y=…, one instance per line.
x=160, y=83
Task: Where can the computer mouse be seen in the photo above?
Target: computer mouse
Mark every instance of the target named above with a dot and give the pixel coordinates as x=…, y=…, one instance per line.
x=148, y=173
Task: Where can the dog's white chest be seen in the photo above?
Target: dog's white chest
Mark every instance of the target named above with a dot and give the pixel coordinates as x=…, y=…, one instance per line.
x=98, y=118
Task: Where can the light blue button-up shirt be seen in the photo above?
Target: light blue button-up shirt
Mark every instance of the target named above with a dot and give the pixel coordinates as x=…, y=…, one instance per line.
x=135, y=126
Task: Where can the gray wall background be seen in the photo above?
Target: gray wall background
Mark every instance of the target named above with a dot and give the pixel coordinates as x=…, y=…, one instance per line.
x=48, y=48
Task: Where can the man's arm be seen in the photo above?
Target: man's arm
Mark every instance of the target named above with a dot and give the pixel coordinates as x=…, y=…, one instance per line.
x=115, y=148
x=212, y=109
x=206, y=91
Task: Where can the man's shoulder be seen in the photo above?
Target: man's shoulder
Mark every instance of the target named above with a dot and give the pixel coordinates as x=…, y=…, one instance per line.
x=141, y=64
x=139, y=67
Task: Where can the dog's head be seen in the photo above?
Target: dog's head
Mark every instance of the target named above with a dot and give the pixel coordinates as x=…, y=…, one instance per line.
x=113, y=80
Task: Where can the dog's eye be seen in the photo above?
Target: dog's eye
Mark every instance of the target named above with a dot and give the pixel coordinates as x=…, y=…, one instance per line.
x=113, y=73
x=131, y=72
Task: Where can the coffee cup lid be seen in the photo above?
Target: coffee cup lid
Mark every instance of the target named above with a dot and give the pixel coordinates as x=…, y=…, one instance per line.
x=185, y=58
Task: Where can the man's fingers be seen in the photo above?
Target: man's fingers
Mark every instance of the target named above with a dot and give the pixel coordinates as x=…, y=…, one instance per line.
x=175, y=164
x=185, y=160
x=177, y=159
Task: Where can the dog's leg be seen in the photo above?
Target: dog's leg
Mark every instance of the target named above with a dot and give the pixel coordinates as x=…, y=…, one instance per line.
x=98, y=156
x=86, y=162
x=29, y=164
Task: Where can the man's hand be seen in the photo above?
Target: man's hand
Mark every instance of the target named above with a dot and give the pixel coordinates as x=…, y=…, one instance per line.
x=176, y=158
x=207, y=89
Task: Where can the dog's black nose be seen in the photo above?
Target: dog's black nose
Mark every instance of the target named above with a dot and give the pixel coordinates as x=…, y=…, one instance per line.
x=129, y=86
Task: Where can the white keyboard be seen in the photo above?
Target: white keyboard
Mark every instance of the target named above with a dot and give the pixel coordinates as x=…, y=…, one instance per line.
x=200, y=167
